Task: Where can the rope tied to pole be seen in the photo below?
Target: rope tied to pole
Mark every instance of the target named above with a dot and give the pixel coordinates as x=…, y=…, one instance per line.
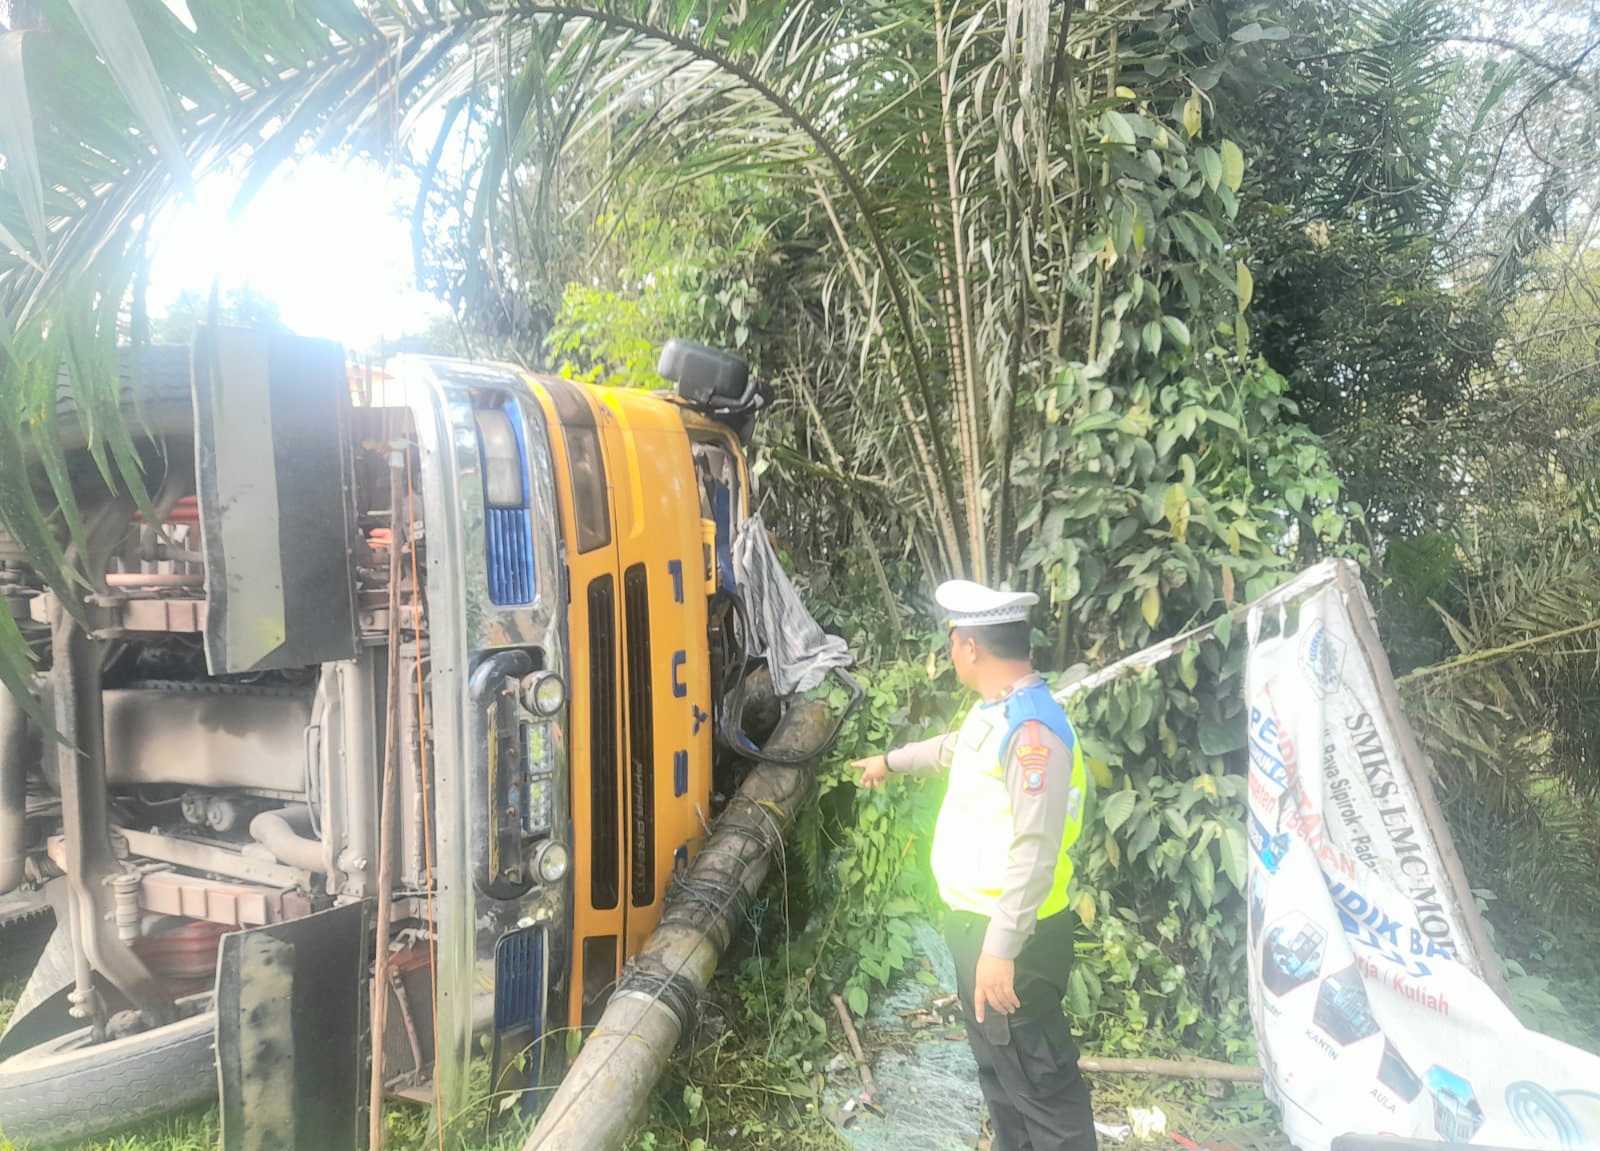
x=646, y=977
x=755, y=917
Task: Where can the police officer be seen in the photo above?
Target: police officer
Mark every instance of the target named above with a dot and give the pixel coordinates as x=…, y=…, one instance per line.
x=1012, y=811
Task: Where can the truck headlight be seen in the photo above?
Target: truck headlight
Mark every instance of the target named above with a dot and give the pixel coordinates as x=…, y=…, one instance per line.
x=502, y=460
x=543, y=693
x=553, y=861
x=540, y=811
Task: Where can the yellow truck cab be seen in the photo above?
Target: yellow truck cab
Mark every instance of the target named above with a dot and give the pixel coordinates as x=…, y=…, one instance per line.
x=417, y=664
x=650, y=495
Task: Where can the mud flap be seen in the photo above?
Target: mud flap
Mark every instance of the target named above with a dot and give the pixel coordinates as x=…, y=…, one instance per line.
x=272, y=417
x=292, y=1051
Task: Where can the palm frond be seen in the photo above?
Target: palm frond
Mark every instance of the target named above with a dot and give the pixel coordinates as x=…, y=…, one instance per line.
x=1507, y=720
x=252, y=84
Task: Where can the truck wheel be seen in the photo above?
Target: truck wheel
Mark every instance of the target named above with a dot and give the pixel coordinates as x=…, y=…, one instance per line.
x=161, y=395
x=69, y=1090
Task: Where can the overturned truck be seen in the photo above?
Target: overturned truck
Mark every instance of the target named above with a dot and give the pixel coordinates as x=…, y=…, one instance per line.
x=408, y=677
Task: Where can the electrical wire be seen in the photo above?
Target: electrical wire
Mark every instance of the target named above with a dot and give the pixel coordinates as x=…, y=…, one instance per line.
x=148, y=802
x=427, y=798
x=387, y=799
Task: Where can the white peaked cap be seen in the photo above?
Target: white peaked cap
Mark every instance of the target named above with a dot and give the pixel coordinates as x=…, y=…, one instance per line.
x=971, y=604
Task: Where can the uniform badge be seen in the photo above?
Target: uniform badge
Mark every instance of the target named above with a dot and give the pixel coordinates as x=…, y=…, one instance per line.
x=1033, y=755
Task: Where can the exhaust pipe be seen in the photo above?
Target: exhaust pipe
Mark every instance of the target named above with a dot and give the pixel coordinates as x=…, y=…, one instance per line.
x=287, y=834
x=18, y=752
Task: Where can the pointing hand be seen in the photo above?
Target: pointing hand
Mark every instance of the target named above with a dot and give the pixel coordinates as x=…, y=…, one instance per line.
x=874, y=770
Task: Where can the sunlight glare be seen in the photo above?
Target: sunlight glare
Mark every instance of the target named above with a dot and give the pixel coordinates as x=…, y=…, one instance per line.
x=324, y=240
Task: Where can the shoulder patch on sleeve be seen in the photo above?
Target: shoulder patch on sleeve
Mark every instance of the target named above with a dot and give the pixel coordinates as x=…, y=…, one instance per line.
x=1033, y=756
x=1031, y=749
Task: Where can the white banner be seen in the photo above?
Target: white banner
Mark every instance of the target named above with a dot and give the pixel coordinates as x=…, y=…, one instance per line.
x=1369, y=1015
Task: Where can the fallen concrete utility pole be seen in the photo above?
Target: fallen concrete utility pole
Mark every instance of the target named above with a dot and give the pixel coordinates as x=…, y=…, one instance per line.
x=605, y=1093
x=1173, y=1069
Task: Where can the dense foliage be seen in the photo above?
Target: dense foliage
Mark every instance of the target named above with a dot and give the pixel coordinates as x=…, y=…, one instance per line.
x=1143, y=305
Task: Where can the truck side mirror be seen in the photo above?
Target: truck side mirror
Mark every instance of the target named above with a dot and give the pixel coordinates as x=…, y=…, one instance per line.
x=705, y=377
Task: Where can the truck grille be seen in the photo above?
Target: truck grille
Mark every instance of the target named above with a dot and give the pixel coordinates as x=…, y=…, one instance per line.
x=641, y=736
x=519, y=979
x=510, y=555
x=604, y=806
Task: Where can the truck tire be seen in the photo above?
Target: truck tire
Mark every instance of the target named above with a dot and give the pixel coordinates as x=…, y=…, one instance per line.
x=158, y=405
x=161, y=394
x=69, y=1091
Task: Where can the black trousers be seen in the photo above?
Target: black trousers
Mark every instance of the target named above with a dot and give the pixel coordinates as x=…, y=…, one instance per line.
x=1027, y=1061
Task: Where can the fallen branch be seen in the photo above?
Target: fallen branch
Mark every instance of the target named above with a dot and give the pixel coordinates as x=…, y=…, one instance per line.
x=867, y=1085
x=1173, y=1069
x=1452, y=665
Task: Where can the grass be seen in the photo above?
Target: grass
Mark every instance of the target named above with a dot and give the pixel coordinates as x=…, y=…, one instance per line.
x=727, y=1096
x=10, y=988
x=190, y=1131
x=200, y=1129
x=1243, y=1118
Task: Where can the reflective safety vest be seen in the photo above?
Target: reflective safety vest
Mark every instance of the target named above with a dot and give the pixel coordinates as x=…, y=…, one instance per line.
x=972, y=840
